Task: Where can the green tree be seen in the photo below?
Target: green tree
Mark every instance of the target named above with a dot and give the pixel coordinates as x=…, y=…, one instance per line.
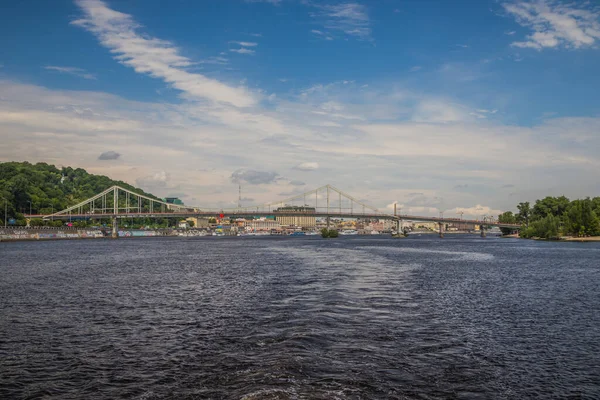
x=556, y=206
x=329, y=233
x=524, y=213
x=581, y=219
x=507, y=218
x=546, y=228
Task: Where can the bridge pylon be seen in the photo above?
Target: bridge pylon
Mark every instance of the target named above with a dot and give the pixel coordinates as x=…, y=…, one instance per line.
x=115, y=228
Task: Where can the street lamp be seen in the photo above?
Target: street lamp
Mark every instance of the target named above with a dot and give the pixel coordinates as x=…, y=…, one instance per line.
x=30, y=204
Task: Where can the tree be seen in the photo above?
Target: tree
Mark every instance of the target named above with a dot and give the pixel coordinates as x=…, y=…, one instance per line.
x=524, y=213
x=329, y=233
x=507, y=218
x=581, y=219
x=546, y=228
x=556, y=206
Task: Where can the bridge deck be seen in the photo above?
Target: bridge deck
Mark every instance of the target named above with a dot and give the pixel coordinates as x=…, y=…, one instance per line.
x=241, y=214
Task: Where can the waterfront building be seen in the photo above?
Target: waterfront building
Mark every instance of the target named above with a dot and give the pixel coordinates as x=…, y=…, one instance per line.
x=305, y=221
x=262, y=225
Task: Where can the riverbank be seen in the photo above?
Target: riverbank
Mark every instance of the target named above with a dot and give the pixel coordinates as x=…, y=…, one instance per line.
x=33, y=234
x=581, y=239
x=560, y=239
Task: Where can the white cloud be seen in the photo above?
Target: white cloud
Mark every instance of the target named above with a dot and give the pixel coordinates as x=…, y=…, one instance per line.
x=350, y=18
x=307, y=166
x=161, y=59
x=477, y=211
x=245, y=44
x=242, y=50
x=71, y=71
x=215, y=60
x=439, y=112
x=192, y=144
x=416, y=68
x=555, y=24
x=253, y=177
x=322, y=34
x=153, y=182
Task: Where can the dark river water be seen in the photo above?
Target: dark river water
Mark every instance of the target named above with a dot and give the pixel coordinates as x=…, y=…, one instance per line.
x=300, y=318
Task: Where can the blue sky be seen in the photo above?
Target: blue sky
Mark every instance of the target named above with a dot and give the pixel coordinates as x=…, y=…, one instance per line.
x=435, y=105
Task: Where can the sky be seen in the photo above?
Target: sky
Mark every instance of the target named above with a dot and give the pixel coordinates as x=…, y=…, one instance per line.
x=457, y=106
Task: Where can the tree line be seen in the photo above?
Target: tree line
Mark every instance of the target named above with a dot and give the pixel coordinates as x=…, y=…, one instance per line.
x=552, y=217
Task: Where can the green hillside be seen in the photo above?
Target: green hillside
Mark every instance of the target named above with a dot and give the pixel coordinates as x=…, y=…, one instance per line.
x=45, y=188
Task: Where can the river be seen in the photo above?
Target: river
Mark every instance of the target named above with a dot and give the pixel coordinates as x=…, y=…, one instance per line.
x=300, y=318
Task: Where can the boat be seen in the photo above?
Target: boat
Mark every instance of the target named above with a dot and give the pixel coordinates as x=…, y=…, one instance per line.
x=298, y=234
x=349, y=232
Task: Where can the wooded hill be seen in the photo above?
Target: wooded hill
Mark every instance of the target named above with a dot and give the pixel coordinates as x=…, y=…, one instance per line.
x=46, y=188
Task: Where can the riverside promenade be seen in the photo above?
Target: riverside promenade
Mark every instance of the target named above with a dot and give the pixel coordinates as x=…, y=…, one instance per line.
x=34, y=233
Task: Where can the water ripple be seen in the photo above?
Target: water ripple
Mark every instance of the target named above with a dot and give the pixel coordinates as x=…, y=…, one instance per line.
x=304, y=318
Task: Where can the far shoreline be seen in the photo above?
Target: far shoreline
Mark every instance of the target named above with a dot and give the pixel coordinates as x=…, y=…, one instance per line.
x=560, y=239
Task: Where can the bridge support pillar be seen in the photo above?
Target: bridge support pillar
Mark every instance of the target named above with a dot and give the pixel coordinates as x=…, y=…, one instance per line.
x=115, y=228
x=441, y=226
x=482, y=229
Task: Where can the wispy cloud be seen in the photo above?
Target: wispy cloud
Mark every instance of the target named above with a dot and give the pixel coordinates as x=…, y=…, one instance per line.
x=321, y=34
x=307, y=166
x=416, y=68
x=350, y=18
x=555, y=24
x=242, y=50
x=245, y=44
x=158, y=58
x=71, y=71
x=215, y=60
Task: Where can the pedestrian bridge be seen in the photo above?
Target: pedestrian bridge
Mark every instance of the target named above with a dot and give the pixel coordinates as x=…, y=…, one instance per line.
x=325, y=202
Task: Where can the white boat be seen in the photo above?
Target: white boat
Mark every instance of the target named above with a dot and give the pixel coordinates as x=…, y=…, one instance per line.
x=349, y=232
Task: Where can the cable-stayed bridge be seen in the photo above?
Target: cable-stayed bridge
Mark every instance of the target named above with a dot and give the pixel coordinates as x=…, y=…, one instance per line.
x=325, y=202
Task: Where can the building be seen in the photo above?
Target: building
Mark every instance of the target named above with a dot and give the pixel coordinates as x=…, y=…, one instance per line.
x=197, y=222
x=262, y=225
x=305, y=221
x=174, y=200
